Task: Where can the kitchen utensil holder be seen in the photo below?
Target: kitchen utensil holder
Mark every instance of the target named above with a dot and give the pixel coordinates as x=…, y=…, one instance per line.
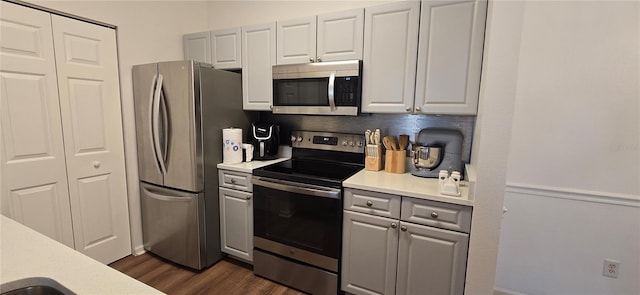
x=373, y=160
x=395, y=161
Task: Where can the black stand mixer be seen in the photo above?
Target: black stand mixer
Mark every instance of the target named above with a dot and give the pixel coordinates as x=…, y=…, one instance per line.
x=437, y=149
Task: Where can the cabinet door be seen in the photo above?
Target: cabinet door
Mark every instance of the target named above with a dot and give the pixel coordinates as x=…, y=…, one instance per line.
x=197, y=46
x=340, y=35
x=369, y=254
x=258, y=56
x=450, y=56
x=431, y=260
x=236, y=223
x=390, y=54
x=296, y=41
x=87, y=68
x=225, y=46
x=34, y=180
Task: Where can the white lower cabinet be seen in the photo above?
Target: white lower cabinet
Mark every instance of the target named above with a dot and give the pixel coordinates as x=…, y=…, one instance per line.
x=236, y=216
x=431, y=260
x=369, y=254
x=388, y=255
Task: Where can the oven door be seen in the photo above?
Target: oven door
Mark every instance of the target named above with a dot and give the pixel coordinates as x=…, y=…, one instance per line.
x=298, y=221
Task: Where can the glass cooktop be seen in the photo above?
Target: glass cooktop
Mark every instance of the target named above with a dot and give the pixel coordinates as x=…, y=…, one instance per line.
x=310, y=171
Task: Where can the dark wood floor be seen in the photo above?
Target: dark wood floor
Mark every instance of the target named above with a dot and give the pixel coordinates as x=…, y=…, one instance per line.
x=228, y=276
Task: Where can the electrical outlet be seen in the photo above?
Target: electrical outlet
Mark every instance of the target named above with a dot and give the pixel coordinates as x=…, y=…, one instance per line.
x=611, y=268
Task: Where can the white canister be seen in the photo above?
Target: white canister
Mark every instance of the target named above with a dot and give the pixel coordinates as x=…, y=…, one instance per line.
x=248, y=152
x=231, y=145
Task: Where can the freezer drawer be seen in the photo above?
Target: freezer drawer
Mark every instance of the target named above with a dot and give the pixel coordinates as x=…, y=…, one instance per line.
x=173, y=224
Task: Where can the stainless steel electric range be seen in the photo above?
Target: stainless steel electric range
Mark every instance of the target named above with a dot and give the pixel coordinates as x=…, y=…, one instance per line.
x=298, y=211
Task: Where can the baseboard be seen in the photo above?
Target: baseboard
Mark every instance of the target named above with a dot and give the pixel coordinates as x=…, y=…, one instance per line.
x=573, y=194
x=502, y=291
x=139, y=250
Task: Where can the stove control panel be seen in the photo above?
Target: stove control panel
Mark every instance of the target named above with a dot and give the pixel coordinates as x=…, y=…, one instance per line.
x=342, y=142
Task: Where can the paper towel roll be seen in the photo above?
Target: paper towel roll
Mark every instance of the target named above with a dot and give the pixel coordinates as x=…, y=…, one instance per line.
x=231, y=145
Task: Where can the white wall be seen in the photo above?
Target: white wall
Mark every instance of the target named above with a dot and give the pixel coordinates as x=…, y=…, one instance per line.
x=491, y=142
x=148, y=31
x=573, y=178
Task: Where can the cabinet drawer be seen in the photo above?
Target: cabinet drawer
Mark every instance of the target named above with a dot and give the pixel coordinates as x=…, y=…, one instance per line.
x=437, y=214
x=372, y=203
x=235, y=180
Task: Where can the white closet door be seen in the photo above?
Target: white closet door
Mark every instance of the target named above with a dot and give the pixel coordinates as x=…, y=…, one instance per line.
x=34, y=180
x=87, y=66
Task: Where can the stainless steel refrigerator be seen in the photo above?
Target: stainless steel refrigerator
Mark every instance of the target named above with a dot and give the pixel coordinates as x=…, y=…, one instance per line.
x=181, y=108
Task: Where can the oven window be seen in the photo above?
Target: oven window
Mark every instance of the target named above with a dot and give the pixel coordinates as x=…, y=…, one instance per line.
x=306, y=222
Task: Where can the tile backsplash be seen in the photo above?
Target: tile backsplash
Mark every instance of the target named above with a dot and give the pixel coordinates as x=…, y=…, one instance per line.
x=389, y=124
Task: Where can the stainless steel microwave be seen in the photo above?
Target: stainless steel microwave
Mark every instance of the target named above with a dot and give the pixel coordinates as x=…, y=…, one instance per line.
x=327, y=88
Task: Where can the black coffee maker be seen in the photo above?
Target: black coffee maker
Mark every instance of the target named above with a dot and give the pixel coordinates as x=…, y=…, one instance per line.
x=265, y=138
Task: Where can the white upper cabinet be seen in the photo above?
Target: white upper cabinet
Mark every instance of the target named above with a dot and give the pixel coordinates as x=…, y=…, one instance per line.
x=450, y=56
x=225, y=49
x=258, y=56
x=296, y=41
x=390, y=54
x=327, y=37
x=340, y=35
x=220, y=48
x=197, y=46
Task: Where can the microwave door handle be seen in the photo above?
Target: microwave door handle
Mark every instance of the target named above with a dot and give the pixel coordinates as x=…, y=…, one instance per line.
x=330, y=92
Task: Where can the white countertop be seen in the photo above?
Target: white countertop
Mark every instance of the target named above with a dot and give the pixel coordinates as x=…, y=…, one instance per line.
x=247, y=167
x=406, y=185
x=26, y=253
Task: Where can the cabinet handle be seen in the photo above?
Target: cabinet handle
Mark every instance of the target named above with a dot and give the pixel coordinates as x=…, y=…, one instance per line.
x=418, y=109
x=311, y=59
x=403, y=228
x=271, y=107
x=434, y=215
x=248, y=197
x=408, y=109
x=318, y=59
x=96, y=164
x=394, y=225
x=233, y=180
x=369, y=203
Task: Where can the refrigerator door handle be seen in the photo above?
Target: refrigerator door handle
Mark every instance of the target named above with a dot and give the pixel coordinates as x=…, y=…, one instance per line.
x=166, y=134
x=167, y=198
x=155, y=124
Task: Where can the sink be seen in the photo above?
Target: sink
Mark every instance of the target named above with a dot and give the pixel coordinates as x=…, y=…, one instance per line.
x=34, y=286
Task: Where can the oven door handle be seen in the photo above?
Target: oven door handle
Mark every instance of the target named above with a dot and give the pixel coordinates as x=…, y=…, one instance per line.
x=297, y=188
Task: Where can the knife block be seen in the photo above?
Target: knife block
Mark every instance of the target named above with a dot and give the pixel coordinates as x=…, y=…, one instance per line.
x=395, y=161
x=373, y=160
